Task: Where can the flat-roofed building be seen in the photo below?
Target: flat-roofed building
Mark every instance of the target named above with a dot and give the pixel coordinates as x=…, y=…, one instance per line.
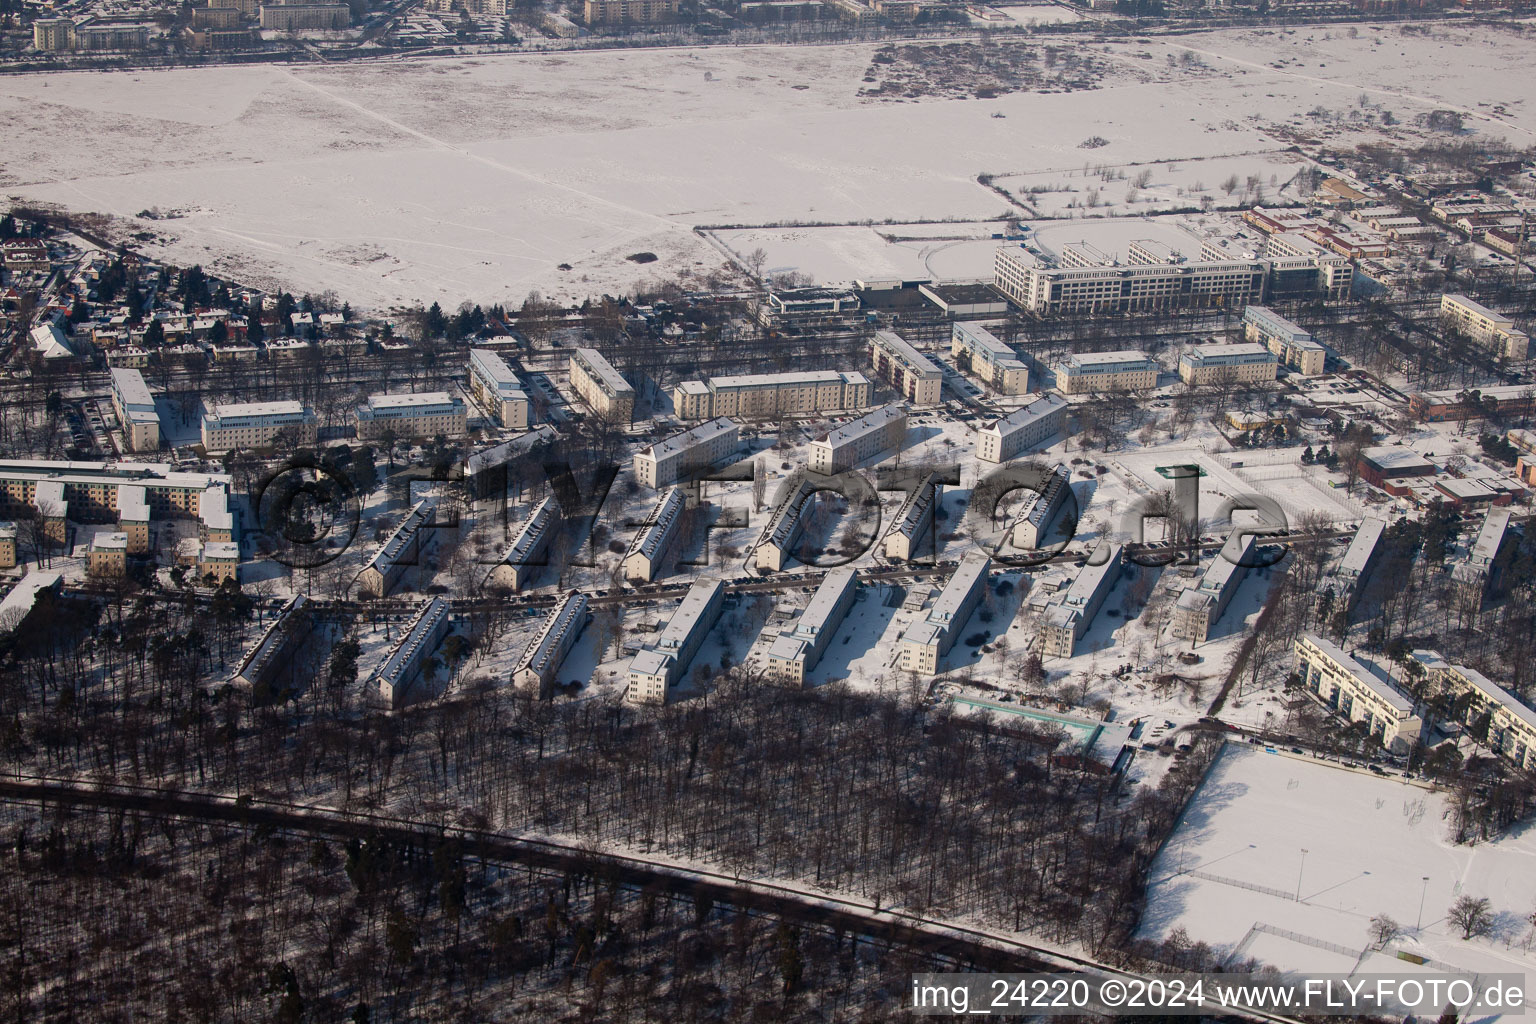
x=1067, y=620
x=258, y=425
x=1048, y=290
x=1357, y=693
x=111, y=37
x=528, y=552
x=806, y=304
x=602, y=387
x=978, y=352
x=930, y=638
x=215, y=519
x=497, y=389
x=135, y=409
x=959, y=300
x=428, y=414
x=218, y=561
x=89, y=491
x=1021, y=430
x=1496, y=400
x=798, y=649
x=656, y=670
x=28, y=592
x=1293, y=346
x=1383, y=465
x=666, y=462
x=53, y=35
x=913, y=520
x=629, y=12
x=1511, y=723
x=1200, y=607
x=8, y=534
x=1032, y=523
x=407, y=674
x=851, y=443
x=1481, y=574
x=918, y=378
x=1349, y=579
x=1493, y=331
x=535, y=671
x=1242, y=363
x=1082, y=254
x=1121, y=370
x=269, y=663
x=758, y=396
x=108, y=555
x=133, y=517
x=51, y=502
x=300, y=17
x=404, y=549
x=656, y=538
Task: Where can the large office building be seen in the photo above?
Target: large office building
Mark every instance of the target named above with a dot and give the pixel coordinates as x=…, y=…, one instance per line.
x=403, y=550
x=1121, y=370
x=1493, y=331
x=981, y=354
x=528, y=552
x=1032, y=523
x=1047, y=290
x=135, y=409
x=535, y=671
x=407, y=675
x=429, y=414
x=666, y=462
x=1022, y=429
x=270, y=664
x=930, y=638
x=1243, y=363
x=918, y=378
x=258, y=425
x=497, y=389
x=1200, y=607
x=656, y=538
x=1067, y=620
x=761, y=396
x=1291, y=344
x=602, y=387
x=913, y=521
x=1357, y=693
x=1511, y=723
x=655, y=670
x=852, y=443
x=798, y=649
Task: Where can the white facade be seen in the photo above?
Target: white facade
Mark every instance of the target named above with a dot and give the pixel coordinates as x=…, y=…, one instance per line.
x=257, y=424
x=1354, y=691
x=666, y=462
x=497, y=389
x=1021, y=430
x=798, y=649
x=863, y=438
x=657, y=669
x=1122, y=370
x=410, y=542
x=994, y=363
x=402, y=679
x=135, y=409
x=655, y=538
x=918, y=378
x=429, y=414
x=601, y=386
x=930, y=638
x=530, y=544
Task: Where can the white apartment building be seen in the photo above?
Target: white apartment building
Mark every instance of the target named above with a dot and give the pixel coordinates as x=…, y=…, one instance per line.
x=404, y=549
x=1357, y=693
x=257, y=424
x=135, y=409
x=913, y=374
x=602, y=387
x=979, y=352
x=1032, y=523
x=798, y=649
x=666, y=462
x=658, y=668
x=429, y=414
x=1511, y=723
x=851, y=443
x=930, y=638
x=404, y=678
x=913, y=521
x=1199, y=608
x=535, y=671
x=1242, y=363
x=497, y=389
x=1046, y=290
x=1121, y=370
x=656, y=538
x=530, y=544
x=1493, y=331
x=759, y=396
x=1067, y=620
x=1294, y=346
x=1022, y=429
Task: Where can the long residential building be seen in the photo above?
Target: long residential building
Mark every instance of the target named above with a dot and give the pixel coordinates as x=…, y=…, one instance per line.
x=1121, y=370
x=1067, y=620
x=797, y=650
x=404, y=677
x=1506, y=400
x=656, y=538
x=1022, y=429
x=497, y=389
x=404, y=549
x=657, y=669
x=535, y=670
x=428, y=414
x=526, y=555
x=918, y=378
x=761, y=396
x=978, y=351
x=930, y=638
x=257, y=425
x=1511, y=722
x=1294, y=346
x=1200, y=607
x=135, y=409
x=1032, y=523
x=851, y=443
x=1481, y=574
x=1348, y=581
x=1243, y=363
x=629, y=12
x=270, y=664
x=601, y=386
x=1357, y=693
x=784, y=526
x=666, y=462
x=1493, y=331
x=91, y=492
x=913, y=520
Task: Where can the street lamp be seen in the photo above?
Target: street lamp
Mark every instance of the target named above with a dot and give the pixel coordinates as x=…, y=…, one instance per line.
x=1298, y=875
x=1419, y=924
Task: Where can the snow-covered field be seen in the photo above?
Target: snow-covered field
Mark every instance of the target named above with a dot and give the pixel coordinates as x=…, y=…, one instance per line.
x=477, y=178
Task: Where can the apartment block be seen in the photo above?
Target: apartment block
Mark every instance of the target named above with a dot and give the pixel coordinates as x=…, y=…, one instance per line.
x=269, y=663
x=656, y=538
x=852, y=443
x=108, y=555
x=1021, y=430
x=53, y=35
x=1121, y=370
x=930, y=638
x=666, y=462
x=257, y=425
x=1200, y=607
x=1481, y=574
x=526, y=555
x=774, y=548
x=629, y=12
x=656, y=670
x=1355, y=692
x=8, y=531
x=403, y=550
x=535, y=671
x=218, y=561
x=407, y=675
x=1032, y=523
x=497, y=389
x=1294, y=346
x=111, y=37
x=602, y=387
x=1349, y=579
x=1511, y=722
x=1243, y=363
x=301, y=17
x=913, y=520
x=89, y=492
x=1493, y=331
x=1067, y=620
x=798, y=649
x=425, y=415
x=135, y=409
x=760, y=396
x=913, y=374
x=978, y=352
x=133, y=517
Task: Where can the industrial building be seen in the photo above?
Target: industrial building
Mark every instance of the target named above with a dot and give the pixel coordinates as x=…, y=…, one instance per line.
x=762, y=396
x=1022, y=429
x=982, y=355
x=497, y=389
x=798, y=649
x=426, y=415
x=666, y=462
x=657, y=669
x=602, y=387
x=930, y=638
x=852, y=443
x=535, y=671
x=918, y=378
